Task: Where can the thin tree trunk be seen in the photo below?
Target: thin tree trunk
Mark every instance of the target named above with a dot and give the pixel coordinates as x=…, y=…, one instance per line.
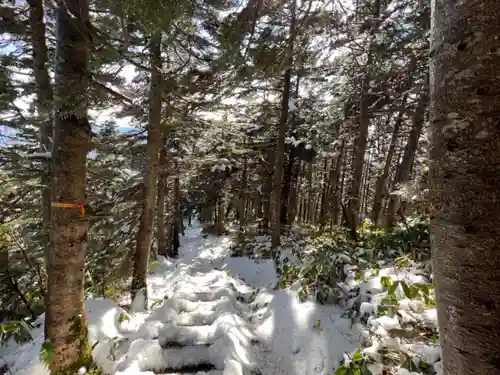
x=175, y=227
x=243, y=194
x=145, y=232
x=382, y=178
x=362, y=135
x=323, y=213
x=45, y=96
x=308, y=207
x=160, y=213
x=365, y=184
x=294, y=193
x=403, y=171
x=177, y=188
x=283, y=126
x=67, y=322
x=358, y=158
x=465, y=183
x=289, y=169
x=335, y=194
x=267, y=191
x=338, y=214
x=285, y=188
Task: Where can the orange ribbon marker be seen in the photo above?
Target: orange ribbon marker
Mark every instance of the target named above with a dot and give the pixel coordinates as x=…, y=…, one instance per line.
x=81, y=206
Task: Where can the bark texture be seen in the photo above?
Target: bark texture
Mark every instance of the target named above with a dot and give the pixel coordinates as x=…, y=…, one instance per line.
x=160, y=209
x=403, y=172
x=145, y=232
x=382, y=178
x=465, y=182
x=44, y=95
x=283, y=127
x=67, y=324
x=44, y=98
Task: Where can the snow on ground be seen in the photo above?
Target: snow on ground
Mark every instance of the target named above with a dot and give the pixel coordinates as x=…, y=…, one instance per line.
x=213, y=314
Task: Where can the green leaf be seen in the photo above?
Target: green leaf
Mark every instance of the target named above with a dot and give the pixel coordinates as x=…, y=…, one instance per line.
x=356, y=371
x=425, y=289
x=385, y=281
x=406, y=289
x=393, y=287
x=340, y=371
x=356, y=356
x=46, y=353
x=414, y=291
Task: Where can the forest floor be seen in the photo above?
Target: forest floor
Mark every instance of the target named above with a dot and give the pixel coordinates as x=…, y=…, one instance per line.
x=211, y=313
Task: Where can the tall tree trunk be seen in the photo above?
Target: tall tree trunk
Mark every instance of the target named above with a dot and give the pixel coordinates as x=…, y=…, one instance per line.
x=145, y=232
x=337, y=219
x=366, y=184
x=294, y=193
x=335, y=193
x=243, y=194
x=283, y=127
x=289, y=168
x=404, y=169
x=177, y=191
x=323, y=213
x=285, y=186
x=67, y=322
x=160, y=212
x=362, y=133
x=465, y=183
x=267, y=190
x=310, y=192
x=358, y=157
x=44, y=98
x=382, y=178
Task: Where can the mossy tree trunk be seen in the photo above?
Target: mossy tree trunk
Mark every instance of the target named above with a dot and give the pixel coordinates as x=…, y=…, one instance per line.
x=67, y=324
x=465, y=182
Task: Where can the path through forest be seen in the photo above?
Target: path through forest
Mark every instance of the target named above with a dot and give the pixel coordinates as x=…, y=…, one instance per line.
x=211, y=313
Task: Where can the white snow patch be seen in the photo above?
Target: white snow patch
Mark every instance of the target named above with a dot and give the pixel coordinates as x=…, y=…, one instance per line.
x=258, y=274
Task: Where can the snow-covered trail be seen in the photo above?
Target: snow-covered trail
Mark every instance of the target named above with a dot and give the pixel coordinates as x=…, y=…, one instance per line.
x=222, y=315
x=214, y=314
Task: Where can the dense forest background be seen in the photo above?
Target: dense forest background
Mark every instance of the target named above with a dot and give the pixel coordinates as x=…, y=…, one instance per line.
x=122, y=121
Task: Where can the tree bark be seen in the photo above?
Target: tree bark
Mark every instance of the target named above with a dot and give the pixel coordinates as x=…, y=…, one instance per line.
x=465, y=183
x=323, y=213
x=44, y=96
x=160, y=212
x=294, y=193
x=309, y=209
x=358, y=157
x=145, y=232
x=177, y=191
x=335, y=194
x=285, y=186
x=362, y=133
x=243, y=194
x=382, y=178
x=404, y=169
x=67, y=323
x=44, y=99
x=283, y=127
